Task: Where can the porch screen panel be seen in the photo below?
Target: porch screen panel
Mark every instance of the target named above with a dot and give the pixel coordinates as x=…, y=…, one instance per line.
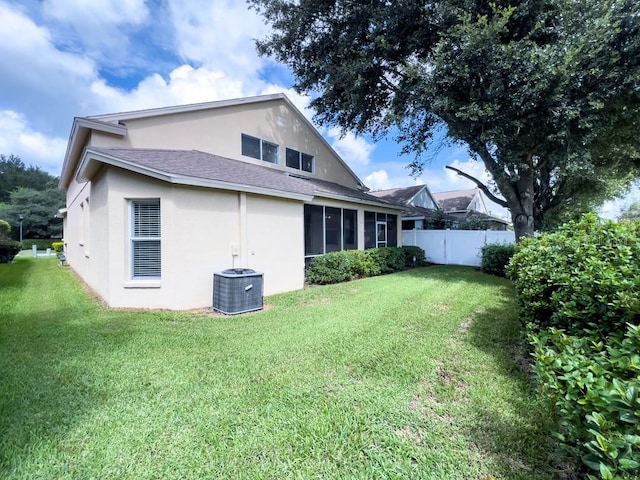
x=333, y=229
x=350, y=229
x=145, y=238
x=313, y=230
x=392, y=230
x=369, y=230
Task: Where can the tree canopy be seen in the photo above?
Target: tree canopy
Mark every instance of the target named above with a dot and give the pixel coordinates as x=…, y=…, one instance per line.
x=545, y=92
x=14, y=173
x=632, y=212
x=33, y=194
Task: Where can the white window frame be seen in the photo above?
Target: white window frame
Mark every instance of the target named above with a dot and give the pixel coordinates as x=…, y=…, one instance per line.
x=135, y=240
x=300, y=154
x=261, y=143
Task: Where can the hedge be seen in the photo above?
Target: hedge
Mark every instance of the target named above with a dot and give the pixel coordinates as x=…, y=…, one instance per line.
x=8, y=250
x=495, y=258
x=336, y=267
x=40, y=243
x=579, y=292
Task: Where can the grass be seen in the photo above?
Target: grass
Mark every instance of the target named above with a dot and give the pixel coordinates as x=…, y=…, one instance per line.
x=411, y=375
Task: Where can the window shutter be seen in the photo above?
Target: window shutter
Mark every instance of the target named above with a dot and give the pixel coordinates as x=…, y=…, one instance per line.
x=145, y=239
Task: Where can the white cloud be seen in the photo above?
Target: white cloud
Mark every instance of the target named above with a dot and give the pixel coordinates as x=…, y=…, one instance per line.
x=34, y=148
x=93, y=16
x=472, y=167
x=352, y=149
x=218, y=33
x=185, y=85
x=380, y=180
x=613, y=208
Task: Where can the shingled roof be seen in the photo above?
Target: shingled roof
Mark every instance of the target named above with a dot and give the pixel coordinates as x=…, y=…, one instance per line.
x=455, y=200
x=400, y=196
x=194, y=167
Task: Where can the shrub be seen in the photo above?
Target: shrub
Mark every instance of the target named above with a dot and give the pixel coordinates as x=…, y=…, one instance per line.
x=40, y=243
x=332, y=267
x=337, y=267
x=8, y=250
x=389, y=259
x=595, y=389
x=5, y=228
x=58, y=247
x=583, y=278
x=495, y=258
x=410, y=252
x=362, y=263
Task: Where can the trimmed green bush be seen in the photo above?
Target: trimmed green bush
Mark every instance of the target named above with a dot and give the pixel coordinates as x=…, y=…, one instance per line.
x=5, y=228
x=579, y=291
x=362, y=263
x=333, y=267
x=411, y=251
x=40, y=243
x=595, y=389
x=584, y=277
x=337, y=267
x=8, y=250
x=495, y=258
x=389, y=259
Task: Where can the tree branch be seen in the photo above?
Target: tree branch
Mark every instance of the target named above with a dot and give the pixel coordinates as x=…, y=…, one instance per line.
x=481, y=186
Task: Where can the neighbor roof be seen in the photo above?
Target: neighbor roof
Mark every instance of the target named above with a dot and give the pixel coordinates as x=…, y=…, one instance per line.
x=196, y=168
x=455, y=199
x=401, y=196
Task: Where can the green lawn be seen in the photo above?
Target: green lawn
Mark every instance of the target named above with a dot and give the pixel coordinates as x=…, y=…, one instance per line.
x=411, y=375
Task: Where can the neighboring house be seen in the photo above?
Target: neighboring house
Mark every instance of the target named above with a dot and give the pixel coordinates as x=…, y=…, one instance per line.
x=469, y=205
x=158, y=200
x=455, y=209
x=419, y=205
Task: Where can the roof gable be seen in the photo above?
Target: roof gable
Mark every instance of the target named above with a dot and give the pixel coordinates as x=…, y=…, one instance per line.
x=119, y=121
x=455, y=199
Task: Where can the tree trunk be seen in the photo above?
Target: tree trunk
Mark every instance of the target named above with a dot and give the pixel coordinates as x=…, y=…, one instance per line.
x=521, y=204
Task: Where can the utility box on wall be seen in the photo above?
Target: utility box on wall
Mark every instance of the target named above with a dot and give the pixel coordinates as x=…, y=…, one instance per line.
x=237, y=290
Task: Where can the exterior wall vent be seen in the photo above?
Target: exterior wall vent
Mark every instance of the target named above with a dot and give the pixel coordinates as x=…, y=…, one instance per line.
x=237, y=290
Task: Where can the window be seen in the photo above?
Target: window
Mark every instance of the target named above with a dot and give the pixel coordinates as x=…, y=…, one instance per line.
x=299, y=160
x=145, y=239
x=260, y=149
x=329, y=229
x=380, y=230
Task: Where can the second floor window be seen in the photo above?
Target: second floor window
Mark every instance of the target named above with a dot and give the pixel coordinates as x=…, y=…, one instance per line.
x=260, y=149
x=299, y=160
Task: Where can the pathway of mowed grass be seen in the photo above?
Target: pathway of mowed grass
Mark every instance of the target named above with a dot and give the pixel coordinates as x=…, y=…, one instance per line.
x=411, y=375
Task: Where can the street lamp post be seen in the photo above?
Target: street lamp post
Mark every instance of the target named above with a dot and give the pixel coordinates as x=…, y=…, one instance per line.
x=21, y=218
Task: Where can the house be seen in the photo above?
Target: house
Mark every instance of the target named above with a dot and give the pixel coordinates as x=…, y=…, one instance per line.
x=469, y=205
x=419, y=205
x=160, y=199
x=455, y=209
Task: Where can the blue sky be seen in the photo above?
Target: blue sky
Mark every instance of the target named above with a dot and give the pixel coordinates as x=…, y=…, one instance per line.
x=66, y=58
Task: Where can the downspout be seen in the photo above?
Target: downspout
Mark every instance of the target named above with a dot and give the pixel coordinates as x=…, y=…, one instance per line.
x=244, y=234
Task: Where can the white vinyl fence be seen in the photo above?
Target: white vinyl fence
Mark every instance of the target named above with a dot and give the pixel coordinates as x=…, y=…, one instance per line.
x=455, y=247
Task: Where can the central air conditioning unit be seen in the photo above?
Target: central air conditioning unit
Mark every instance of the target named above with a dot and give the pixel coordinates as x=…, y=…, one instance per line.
x=237, y=290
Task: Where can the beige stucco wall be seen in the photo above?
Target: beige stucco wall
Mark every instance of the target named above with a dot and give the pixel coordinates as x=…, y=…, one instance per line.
x=201, y=230
x=219, y=130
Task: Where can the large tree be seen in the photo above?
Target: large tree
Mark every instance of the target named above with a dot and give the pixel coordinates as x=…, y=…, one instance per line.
x=545, y=92
x=38, y=209
x=14, y=173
